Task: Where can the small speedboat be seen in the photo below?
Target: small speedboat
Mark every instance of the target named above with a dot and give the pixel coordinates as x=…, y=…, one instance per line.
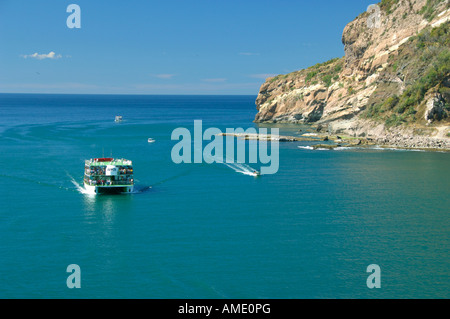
x=151, y=140
x=256, y=173
x=118, y=118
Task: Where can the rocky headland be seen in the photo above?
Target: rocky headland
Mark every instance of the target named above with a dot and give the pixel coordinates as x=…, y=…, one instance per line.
x=391, y=88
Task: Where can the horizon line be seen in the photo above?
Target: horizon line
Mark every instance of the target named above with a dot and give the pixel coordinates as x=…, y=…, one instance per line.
x=135, y=94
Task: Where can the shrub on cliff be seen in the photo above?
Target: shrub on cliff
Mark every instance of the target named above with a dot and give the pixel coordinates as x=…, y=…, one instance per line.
x=424, y=65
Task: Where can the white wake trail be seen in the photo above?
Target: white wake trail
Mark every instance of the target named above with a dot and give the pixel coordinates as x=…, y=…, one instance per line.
x=79, y=188
x=241, y=168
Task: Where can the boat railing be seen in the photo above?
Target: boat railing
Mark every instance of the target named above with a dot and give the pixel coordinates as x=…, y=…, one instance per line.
x=101, y=172
x=118, y=162
x=110, y=183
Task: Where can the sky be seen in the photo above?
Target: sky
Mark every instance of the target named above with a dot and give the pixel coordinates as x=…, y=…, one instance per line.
x=165, y=47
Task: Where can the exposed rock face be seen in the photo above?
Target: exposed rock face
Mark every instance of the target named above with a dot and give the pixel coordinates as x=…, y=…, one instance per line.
x=336, y=93
x=435, y=110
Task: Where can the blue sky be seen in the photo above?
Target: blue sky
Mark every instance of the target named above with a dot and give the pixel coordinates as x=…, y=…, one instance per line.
x=165, y=47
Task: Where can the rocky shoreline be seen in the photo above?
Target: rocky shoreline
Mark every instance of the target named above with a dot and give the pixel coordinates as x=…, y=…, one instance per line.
x=333, y=141
x=414, y=142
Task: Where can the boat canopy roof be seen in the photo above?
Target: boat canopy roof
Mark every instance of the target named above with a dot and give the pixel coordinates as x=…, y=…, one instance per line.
x=108, y=161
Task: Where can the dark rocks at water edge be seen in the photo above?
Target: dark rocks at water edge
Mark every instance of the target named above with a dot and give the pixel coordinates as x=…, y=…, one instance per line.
x=268, y=137
x=414, y=142
x=336, y=141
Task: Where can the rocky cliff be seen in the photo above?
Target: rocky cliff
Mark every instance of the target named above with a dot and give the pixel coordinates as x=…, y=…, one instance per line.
x=392, y=82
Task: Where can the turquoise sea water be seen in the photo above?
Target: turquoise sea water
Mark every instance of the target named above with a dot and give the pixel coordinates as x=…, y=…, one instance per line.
x=207, y=231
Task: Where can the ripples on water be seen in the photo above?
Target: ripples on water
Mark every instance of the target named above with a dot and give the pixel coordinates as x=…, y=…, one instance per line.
x=210, y=231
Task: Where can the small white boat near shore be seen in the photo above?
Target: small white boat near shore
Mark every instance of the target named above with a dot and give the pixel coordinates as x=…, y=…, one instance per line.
x=151, y=140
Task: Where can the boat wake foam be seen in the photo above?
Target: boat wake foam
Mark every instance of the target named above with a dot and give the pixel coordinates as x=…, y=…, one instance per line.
x=138, y=189
x=310, y=148
x=80, y=188
x=241, y=168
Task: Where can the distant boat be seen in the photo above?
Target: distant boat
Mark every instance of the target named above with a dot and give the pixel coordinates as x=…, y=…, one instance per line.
x=151, y=140
x=118, y=118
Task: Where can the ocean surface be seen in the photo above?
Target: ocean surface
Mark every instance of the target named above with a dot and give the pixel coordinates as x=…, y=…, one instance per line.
x=210, y=230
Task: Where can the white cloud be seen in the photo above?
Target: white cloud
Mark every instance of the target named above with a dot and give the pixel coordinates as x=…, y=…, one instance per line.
x=51, y=55
x=165, y=76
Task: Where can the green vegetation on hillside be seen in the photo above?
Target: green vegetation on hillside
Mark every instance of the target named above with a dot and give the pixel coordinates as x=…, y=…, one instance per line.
x=326, y=72
x=424, y=65
x=429, y=9
x=387, y=5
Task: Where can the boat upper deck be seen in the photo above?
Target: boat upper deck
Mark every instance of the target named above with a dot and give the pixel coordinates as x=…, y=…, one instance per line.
x=108, y=161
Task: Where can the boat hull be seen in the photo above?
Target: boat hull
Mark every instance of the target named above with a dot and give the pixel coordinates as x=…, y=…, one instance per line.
x=116, y=189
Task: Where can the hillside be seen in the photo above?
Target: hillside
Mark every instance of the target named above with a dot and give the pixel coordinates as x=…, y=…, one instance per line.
x=392, y=84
